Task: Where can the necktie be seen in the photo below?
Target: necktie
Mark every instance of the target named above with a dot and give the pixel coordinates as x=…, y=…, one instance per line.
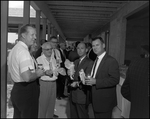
x=79, y=62
x=35, y=66
x=54, y=54
x=94, y=67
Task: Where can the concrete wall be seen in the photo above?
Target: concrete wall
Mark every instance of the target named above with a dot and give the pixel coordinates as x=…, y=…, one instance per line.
x=137, y=34
x=118, y=29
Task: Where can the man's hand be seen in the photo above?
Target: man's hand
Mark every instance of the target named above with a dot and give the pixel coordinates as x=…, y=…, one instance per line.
x=62, y=71
x=90, y=81
x=74, y=84
x=40, y=72
x=49, y=72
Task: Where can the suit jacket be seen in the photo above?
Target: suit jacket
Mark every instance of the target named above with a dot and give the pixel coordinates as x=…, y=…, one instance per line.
x=104, y=92
x=79, y=94
x=135, y=88
x=63, y=58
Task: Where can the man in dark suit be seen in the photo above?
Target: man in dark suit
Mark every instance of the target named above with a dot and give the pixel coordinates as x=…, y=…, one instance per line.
x=136, y=88
x=78, y=95
x=73, y=55
x=61, y=79
x=104, y=78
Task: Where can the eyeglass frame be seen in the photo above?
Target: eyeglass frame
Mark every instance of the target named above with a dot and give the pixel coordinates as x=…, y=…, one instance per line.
x=49, y=49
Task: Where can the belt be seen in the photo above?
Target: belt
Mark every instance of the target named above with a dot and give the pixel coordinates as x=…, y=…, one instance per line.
x=45, y=80
x=24, y=83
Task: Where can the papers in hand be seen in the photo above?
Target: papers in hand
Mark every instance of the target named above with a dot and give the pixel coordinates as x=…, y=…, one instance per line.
x=59, y=71
x=62, y=71
x=82, y=76
x=70, y=66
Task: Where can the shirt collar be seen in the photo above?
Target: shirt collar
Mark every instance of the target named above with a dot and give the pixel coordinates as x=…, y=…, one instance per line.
x=102, y=55
x=45, y=56
x=82, y=58
x=23, y=44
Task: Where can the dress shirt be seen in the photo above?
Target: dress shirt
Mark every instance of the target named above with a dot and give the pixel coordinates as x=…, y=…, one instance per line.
x=82, y=59
x=47, y=65
x=98, y=63
x=19, y=61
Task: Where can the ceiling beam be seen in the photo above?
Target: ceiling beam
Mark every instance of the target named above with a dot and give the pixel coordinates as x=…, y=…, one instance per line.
x=83, y=8
x=46, y=11
x=19, y=20
x=82, y=17
x=80, y=14
x=35, y=7
x=85, y=3
x=55, y=11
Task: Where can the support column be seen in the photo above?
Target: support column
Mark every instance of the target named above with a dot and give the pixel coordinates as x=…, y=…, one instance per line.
x=49, y=31
x=52, y=30
x=38, y=14
x=26, y=12
x=107, y=40
x=117, y=39
x=19, y=26
x=44, y=28
x=4, y=37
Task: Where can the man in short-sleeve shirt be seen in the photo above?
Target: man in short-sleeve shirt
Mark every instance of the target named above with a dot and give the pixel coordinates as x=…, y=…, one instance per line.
x=25, y=92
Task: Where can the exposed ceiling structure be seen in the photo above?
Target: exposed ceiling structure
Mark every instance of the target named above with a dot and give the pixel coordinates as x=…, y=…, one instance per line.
x=77, y=19
x=74, y=20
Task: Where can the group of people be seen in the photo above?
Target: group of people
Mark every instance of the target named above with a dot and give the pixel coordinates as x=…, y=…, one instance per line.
x=40, y=76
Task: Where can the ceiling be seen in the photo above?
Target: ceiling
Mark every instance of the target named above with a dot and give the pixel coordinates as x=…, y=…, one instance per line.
x=74, y=20
x=77, y=19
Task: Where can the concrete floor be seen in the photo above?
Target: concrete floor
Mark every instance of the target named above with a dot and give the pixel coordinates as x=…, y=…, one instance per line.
x=61, y=108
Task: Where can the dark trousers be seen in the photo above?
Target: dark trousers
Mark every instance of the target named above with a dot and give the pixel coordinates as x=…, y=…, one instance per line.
x=103, y=114
x=60, y=85
x=25, y=99
x=69, y=81
x=78, y=110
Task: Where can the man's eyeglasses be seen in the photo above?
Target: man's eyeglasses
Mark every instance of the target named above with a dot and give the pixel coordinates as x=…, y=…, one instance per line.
x=48, y=49
x=54, y=41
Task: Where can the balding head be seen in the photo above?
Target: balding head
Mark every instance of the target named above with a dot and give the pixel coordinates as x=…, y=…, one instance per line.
x=46, y=44
x=47, y=49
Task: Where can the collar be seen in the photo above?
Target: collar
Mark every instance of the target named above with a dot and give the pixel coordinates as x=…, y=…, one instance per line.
x=102, y=55
x=23, y=44
x=82, y=58
x=46, y=58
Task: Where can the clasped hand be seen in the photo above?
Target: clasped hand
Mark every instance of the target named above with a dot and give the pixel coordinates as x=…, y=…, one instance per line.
x=40, y=72
x=49, y=72
x=74, y=84
x=90, y=81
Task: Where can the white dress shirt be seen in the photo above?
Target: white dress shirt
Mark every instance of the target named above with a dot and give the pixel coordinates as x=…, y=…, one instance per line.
x=98, y=63
x=47, y=65
x=19, y=61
